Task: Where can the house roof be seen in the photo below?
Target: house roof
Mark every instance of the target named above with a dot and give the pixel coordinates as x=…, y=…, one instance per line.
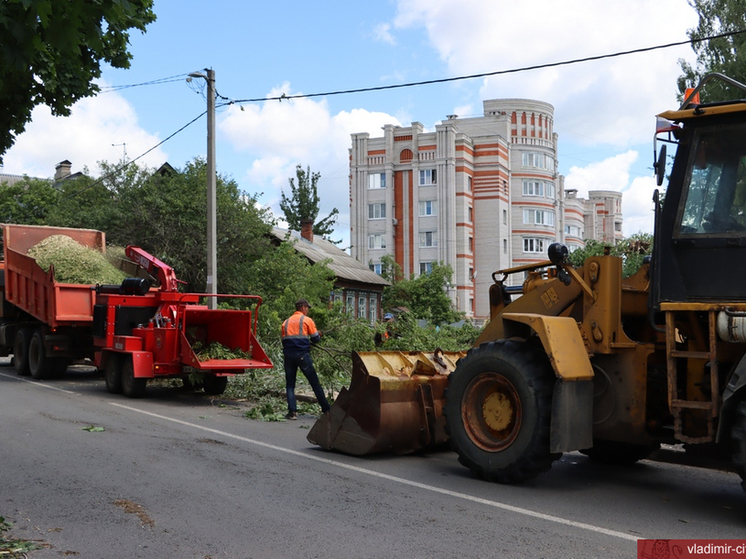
x=342, y=264
x=10, y=180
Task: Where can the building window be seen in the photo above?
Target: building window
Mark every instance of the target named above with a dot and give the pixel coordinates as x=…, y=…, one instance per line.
x=572, y=230
x=376, y=241
x=376, y=211
x=536, y=159
x=377, y=180
x=376, y=268
x=533, y=188
x=618, y=226
x=471, y=214
x=350, y=306
x=428, y=238
x=538, y=217
x=505, y=246
x=428, y=207
x=471, y=244
x=505, y=217
x=550, y=190
x=471, y=274
x=471, y=305
x=428, y=177
x=373, y=308
x=362, y=306
x=533, y=245
x=406, y=155
x=425, y=268
x=470, y=183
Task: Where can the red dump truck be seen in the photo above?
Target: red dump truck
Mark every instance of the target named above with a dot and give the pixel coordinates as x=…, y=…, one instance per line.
x=132, y=332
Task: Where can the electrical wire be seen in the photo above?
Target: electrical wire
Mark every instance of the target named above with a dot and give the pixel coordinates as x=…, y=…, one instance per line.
x=285, y=97
x=122, y=167
x=159, y=81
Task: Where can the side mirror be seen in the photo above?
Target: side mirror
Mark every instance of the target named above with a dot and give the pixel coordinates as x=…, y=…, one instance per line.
x=660, y=166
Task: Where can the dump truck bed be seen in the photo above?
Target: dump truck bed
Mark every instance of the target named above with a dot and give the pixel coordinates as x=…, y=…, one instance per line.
x=34, y=290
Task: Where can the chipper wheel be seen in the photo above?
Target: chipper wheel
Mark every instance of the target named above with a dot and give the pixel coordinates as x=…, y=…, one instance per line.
x=498, y=411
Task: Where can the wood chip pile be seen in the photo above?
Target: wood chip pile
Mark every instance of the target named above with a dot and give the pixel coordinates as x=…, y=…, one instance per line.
x=74, y=263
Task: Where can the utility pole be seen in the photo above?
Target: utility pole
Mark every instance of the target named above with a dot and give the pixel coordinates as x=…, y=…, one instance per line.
x=212, y=251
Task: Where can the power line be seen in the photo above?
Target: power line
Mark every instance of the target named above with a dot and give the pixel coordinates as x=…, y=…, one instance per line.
x=128, y=163
x=159, y=81
x=285, y=97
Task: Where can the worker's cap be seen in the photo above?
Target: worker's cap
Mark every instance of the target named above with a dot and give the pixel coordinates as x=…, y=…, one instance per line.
x=300, y=303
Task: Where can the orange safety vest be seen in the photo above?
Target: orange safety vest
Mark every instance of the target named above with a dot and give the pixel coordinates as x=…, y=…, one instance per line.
x=298, y=332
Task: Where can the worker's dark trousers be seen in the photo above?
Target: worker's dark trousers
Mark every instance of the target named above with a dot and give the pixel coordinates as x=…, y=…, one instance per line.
x=293, y=361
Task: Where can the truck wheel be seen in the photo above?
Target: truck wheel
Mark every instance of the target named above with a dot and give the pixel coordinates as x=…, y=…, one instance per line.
x=113, y=374
x=215, y=386
x=20, y=351
x=738, y=436
x=498, y=411
x=131, y=387
x=39, y=364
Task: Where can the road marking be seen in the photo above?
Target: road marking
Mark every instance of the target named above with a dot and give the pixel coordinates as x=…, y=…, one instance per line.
x=494, y=504
x=39, y=384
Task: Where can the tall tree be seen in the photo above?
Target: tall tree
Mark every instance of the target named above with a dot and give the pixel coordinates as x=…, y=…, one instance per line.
x=303, y=203
x=726, y=55
x=51, y=51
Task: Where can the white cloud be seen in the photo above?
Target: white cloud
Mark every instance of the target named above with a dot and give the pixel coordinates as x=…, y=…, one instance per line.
x=280, y=135
x=610, y=101
x=382, y=33
x=613, y=173
x=95, y=131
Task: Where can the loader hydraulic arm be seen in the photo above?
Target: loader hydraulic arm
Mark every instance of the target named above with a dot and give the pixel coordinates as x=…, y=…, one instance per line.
x=165, y=273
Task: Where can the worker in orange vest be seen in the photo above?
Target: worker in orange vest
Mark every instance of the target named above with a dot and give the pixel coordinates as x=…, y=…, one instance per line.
x=298, y=333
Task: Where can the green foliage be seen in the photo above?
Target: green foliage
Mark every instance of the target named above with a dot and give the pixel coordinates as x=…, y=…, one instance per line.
x=216, y=350
x=303, y=203
x=424, y=296
x=632, y=250
x=14, y=548
x=722, y=55
x=28, y=201
x=282, y=276
x=51, y=51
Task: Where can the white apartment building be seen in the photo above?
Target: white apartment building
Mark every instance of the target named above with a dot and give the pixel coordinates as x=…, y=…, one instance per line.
x=481, y=194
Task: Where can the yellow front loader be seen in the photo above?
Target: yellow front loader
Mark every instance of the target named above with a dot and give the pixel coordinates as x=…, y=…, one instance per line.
x=584, y=359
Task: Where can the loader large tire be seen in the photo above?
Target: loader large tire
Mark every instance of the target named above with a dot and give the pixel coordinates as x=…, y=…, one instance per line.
x=498, y=411
x=20, y=351
x=738, y=438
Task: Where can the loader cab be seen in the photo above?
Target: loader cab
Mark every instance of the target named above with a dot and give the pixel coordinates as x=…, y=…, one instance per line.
x=700, y=231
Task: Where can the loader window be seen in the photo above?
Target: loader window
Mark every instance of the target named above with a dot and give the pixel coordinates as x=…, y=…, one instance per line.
x=714, y=200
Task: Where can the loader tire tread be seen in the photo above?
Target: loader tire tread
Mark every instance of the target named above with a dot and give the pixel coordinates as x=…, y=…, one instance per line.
x=530, y=373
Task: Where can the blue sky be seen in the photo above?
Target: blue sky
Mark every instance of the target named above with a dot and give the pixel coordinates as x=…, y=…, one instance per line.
x=604, y=110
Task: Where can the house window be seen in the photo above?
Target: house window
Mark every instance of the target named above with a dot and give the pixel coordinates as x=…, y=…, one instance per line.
x=428, y=177
x=350, y=306
x=538, y=217
x=428, y=207
x=376, y=241
x=376, y=268
x=377, y=180
x=533, y=245
x=428, y=238
x=425, y=268
x=376, y=211
x=533, y=188
x=373, y=308
x=362, y=306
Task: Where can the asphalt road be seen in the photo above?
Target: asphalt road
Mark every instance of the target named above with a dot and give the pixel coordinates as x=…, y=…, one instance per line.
x=179, y=475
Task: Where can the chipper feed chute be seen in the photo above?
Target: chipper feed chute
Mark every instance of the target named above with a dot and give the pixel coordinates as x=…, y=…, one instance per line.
x=394, y=404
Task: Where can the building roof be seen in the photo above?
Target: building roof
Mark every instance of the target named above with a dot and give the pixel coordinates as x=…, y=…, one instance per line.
x=10, y=180
x=342, y=264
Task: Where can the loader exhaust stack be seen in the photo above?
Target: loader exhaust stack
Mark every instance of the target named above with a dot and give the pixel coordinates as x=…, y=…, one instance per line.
x=394, y=404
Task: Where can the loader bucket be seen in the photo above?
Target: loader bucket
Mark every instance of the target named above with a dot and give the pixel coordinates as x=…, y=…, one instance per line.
x=394, y=404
